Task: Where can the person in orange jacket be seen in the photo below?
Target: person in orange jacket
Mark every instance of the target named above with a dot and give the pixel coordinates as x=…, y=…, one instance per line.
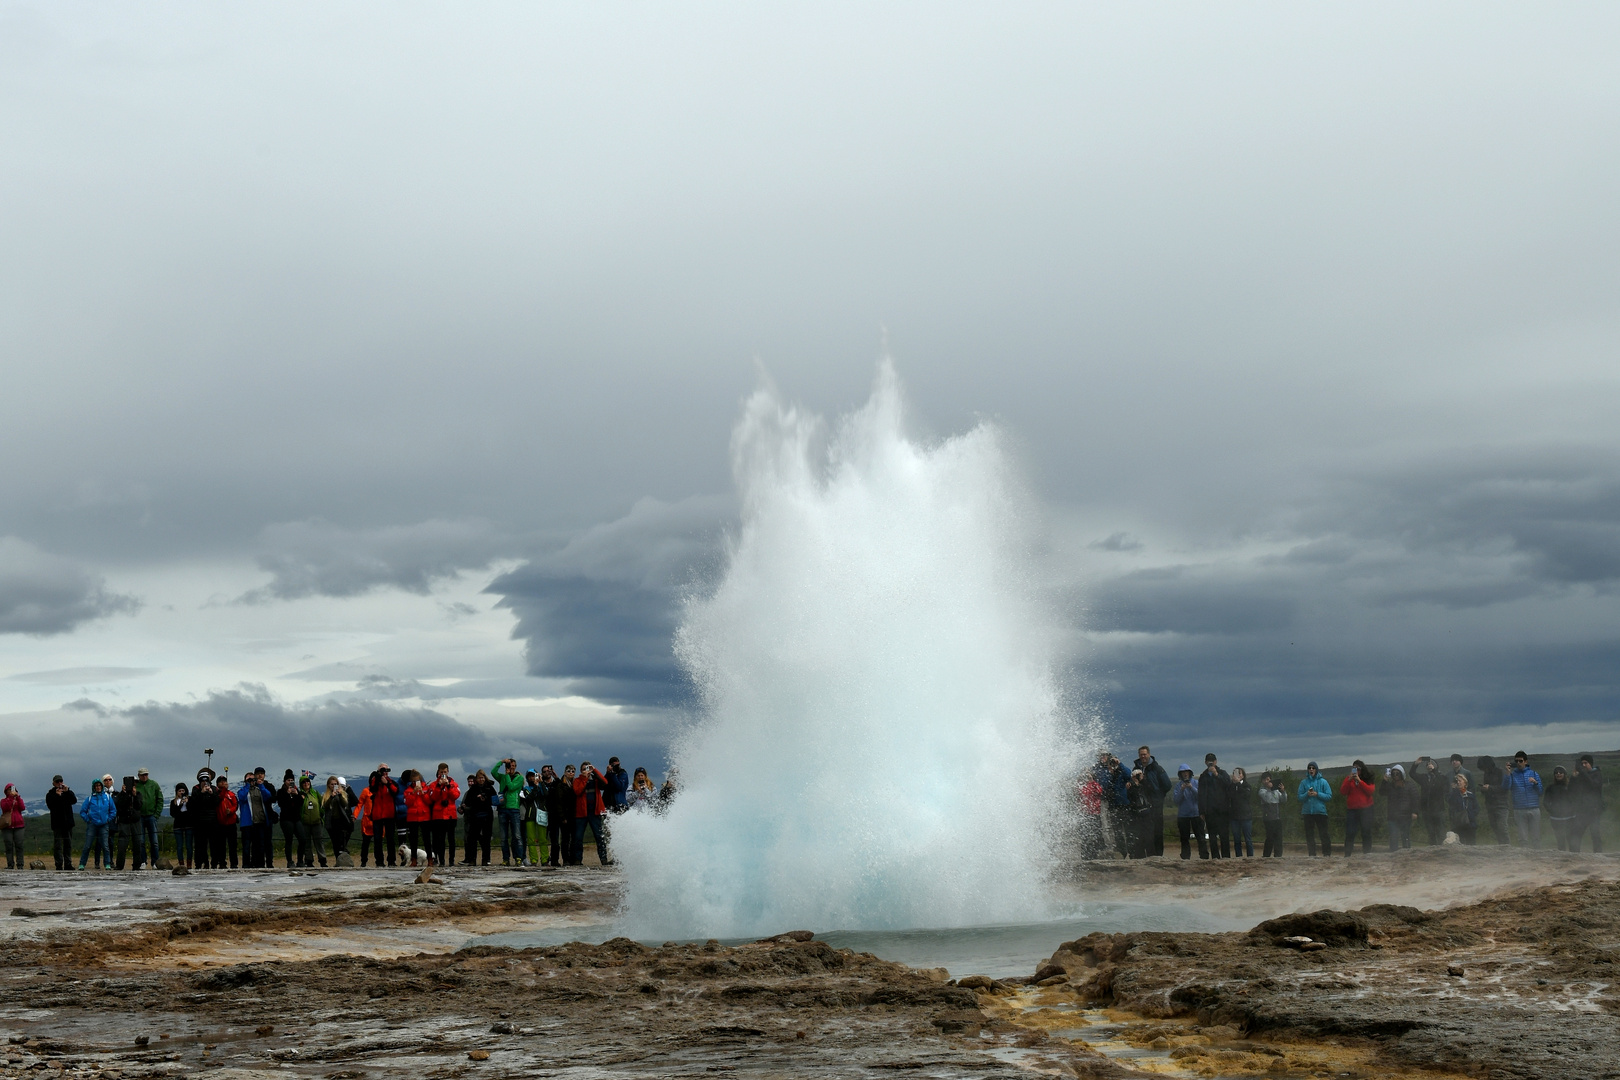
x=362, y=815
x=443, y=795
x=590, y=801
x=418, y=815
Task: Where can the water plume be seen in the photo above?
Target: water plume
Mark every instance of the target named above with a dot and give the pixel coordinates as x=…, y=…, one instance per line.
x=880, y=742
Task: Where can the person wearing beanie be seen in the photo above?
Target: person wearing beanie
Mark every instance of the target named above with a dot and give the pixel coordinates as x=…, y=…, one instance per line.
x=1215, y=806
x=1587, y=787
x=1313, y=795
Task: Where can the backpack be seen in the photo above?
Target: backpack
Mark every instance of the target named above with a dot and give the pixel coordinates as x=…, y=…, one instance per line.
x=227, y=807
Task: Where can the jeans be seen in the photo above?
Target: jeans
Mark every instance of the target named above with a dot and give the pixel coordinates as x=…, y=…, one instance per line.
x=598, y=830
x=289, y=837
x=382, y=839
x=1220, y=829
x=149, y=832
x=1360, y=819
x=511, y=835
x=339, y=831
x=1273, y=848
x=441, y=834
x=308, y=837
x=1584, y=822
x=95, y=840
x=1190, y=827
x=202, y=842
x=62, y=847
x=1316, y=827
x=478, y=834
x=1529, y=826
x=1400, y=831
x=128, y=837
x=1155, y=830
x=256, y=845
x=1243, y=838
x=1435, y=825
x=12, y=838
x=1499, y=822
x=1562, y=828
x=182, y=846
x=560, y=831
x=224, y=844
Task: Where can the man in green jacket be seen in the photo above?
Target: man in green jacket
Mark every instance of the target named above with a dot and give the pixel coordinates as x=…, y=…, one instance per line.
x=150, y=794
x=509, y=785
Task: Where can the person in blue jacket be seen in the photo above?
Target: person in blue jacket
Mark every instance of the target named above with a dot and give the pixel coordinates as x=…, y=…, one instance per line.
x=1314, y=793
x=618, y=789
x=255, y=802
x=1189, y=819
x=1524, y=790
x=98, y=813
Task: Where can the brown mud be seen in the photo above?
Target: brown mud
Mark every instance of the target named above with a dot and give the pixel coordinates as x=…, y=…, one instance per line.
x=351, y=975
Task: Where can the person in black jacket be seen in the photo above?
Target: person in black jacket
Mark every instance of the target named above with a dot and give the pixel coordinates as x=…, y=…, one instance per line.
x=1215, y=804
x=560, y=816
x=129, y=835
x=1431, y=785
x=1158, y=788
x=289, y=804
x=478, y=807
x=1587, y=788
x=60, y=801
x=203, y=809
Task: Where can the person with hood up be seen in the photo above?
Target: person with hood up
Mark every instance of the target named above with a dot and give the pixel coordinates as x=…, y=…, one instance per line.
x=127, y=800
x=1462, y=807
x=1160, y=786
x=307, y=826
x=1189, y=820
x=204, y=808
x=11, y=827
x=60, y=801
x=1560, y=804
x=1272, y=796
x=1431, y=787
x=1493, y=788
x=288, y=803
x=531, y=805
x=1242, y=815
x=99, y=813
x=418, y=815
x=1587, y=787
x=1215, y=805
x=1358, y=791
x=1403, y=801
x=1313, y=795
x=180, y=814
x=1524, y=791
x=478, y=806
x=618, y=789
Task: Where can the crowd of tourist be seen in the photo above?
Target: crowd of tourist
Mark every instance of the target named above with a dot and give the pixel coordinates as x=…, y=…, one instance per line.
x=1124, y=807
x=406, y=820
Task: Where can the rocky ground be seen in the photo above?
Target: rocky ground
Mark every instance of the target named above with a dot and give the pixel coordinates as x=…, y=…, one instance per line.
x=350, y=974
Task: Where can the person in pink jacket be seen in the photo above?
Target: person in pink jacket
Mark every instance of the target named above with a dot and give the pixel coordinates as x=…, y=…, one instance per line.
x=11, y=827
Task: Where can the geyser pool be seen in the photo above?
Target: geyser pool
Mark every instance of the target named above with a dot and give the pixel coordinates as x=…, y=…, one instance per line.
x=881, y=744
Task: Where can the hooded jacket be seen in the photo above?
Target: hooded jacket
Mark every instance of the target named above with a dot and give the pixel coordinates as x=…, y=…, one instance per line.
x=1271, y=800
x=1431, y=788
x=1186, y=795
x=418, y=808
x=618, y=788
x=11, y=809
x=128, y=803
x=1560, y=800
x=98, y=809
x=151, y=795
x=1242, y=800
x=1214, y=793
x=384, y=798
x=442, y=798
x=1313, y=795
x=244, y=803
x=1358, y=794
x=560, y=800
x=204, y=807
x=1587, y=787
x=588, y=795
x=1159, y=782
x=1463, y=810
x=1401, y=796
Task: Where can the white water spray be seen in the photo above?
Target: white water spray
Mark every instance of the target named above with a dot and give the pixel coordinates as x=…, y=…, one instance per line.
x=881, y=744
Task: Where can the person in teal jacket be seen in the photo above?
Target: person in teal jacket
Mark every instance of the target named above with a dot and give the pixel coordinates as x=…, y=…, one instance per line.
x=509, y=792
x=98, y=813
x=1314, y=793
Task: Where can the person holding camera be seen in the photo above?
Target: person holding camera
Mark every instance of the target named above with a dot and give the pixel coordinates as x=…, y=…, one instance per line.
x=1271, y=796
x=1402, y=799
x=1588, y=790
x=1358, y=790
x=1462, y=806
x=1313, y=795
x=1524, y=792
x=442, y=796
x=509, y=796
x=384, y=790
x=1189, y=820
x=1215, y=805
x=590, y=808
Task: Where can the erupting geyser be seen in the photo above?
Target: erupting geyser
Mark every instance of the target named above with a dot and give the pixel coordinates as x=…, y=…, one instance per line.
x=881, y=743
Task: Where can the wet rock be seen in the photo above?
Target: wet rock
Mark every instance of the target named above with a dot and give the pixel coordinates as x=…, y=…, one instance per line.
x=1455, y=970
x=790, y=935
x=1333, y=928
x=478, y=1055
x=500, y=1027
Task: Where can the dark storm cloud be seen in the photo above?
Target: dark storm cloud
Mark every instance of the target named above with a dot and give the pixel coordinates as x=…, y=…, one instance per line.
x=1444, y=595
x=314, y=558
x=601, y=612
x=247, y=727
x=43, y=594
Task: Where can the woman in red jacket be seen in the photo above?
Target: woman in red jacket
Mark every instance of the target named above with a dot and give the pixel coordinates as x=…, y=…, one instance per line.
x=443, y=794
x=1358, y=791
x=11, y=828
x=418, y=814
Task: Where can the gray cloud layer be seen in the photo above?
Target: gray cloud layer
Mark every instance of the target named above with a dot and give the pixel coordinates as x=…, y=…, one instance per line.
x=43, y=594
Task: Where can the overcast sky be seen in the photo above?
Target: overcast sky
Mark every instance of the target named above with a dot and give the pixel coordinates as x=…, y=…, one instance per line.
x=368, y=371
